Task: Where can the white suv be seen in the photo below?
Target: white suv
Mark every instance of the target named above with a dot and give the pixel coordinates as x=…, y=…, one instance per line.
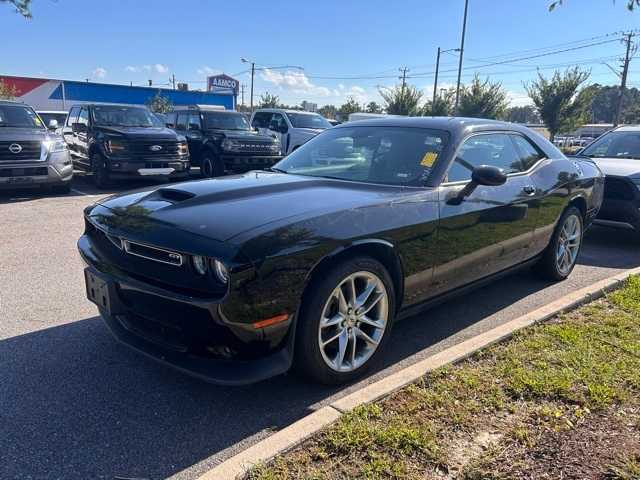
x=291, y=127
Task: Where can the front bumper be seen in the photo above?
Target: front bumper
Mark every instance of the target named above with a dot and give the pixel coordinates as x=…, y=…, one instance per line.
x=188, y=333
x=240, y=163
x=621, y=204
x=53, y=172
x=125, y=167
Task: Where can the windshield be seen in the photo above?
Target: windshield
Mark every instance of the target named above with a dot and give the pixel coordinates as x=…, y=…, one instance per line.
x=226, y=121
x=19, y=116
x=618, y=144
x=123, y=116
x=386, y=155
x=306, y=120
x=47, y=117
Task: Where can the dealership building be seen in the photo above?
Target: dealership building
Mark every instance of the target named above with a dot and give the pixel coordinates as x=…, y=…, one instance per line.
x=51, y=94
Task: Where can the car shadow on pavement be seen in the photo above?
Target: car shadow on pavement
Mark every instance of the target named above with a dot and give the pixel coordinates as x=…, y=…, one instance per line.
x=76, y=404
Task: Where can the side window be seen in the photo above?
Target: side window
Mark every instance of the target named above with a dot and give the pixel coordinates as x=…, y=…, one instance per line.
x=277, y=122
x=171, y=119
x=529, y=154
x=495, y=149
x=84, y=116
x=261, y=120
x=194, y=121
x=181, y=122
x=73, y=116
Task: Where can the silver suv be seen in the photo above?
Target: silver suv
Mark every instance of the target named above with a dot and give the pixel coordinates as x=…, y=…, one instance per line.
x=31, y=155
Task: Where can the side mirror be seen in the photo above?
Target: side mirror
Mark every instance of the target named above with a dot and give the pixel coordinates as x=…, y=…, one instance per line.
x=79, y=128
x=53, y=124
x=482, y=175
x=169, y=125
x=194, y=126
x=488, y=175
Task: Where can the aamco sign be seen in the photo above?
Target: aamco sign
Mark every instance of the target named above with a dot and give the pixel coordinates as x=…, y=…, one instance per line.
x=222, y=84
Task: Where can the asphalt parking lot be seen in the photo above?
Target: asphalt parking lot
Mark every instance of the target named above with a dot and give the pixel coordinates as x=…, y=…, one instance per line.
x=75, y=404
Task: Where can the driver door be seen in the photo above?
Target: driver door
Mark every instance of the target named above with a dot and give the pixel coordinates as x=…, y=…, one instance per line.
x=278, y=128
x=490, y=229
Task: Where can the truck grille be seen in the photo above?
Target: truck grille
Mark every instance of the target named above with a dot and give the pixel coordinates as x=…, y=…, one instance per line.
x=20, y=151
x=253, y=146
x=155, y=150
x=618, y=189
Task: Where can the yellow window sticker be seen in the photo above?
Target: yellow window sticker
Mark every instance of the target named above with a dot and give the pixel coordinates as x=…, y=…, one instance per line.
x=429, y=159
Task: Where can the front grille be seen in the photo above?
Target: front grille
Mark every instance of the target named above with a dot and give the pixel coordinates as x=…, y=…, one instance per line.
x=618, y=189
x=155, y=150
x=29, y=151
x=23, y=172
x=253, y=146
x=153, y=253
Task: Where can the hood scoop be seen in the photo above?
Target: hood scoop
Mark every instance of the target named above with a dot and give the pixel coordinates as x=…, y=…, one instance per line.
x=172, y=195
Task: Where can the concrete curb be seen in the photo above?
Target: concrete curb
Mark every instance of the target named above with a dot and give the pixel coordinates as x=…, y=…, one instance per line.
x=297, y=432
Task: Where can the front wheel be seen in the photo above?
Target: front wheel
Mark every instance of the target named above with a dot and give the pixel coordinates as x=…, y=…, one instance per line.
x=101, y=177
x=345, y=322
x=211, y=166
x=560, y=257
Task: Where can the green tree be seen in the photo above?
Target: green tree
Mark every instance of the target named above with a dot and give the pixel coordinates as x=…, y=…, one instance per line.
x=443, y=106
x=7, y=92
x=373, y=107
x=483, y=99
x=328, y=111
x=523, y=114
x=159, y=103
x=269, y=101
x=401, y=100
x=350, y=106
x=23, y=7
x=631, y=4
x=560, y=102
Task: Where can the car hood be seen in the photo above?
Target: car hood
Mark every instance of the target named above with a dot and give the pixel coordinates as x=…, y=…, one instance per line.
x=619, y=167
x=223, y=208
x=150, y=133
x=310, y=131
x=11, y=134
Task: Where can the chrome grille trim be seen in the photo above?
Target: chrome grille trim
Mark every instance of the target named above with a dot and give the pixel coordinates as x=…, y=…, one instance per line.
x=177, y=258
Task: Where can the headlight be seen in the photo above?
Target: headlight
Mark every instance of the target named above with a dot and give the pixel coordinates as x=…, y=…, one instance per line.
x=54, y=146
x=115, y=146
x=275, y=147
x=221, y=271
x=200, y=264
x=637, y=182
x=183, y=149
x=229, y=144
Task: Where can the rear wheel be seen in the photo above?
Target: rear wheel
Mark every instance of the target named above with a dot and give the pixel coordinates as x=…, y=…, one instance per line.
x=211, y=166
x=559, y=259
x=100, y=173
x=345, y=322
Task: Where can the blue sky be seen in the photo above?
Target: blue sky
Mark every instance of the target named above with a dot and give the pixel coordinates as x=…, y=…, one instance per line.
x=117, y=41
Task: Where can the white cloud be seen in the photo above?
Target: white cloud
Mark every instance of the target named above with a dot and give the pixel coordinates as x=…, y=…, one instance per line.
x=99, y=73
x=296, y=82
x=157, y=68
x=518, y=99
x=131, y=68
x=160, y=68
x=207, y=71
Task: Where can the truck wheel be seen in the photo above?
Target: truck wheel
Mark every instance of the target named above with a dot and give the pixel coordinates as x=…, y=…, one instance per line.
x=345, y=321
x=211, y=166
x=560, y=256
x=100, y=174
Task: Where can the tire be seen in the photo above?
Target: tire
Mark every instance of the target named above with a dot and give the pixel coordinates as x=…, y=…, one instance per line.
x=211, y=166
x=342, y=332
x=550, y=267
x=100, y=173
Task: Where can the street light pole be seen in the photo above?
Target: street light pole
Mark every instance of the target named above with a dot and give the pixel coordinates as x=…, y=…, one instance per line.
x=464, y=31
x=253, y=72
x=435, y=83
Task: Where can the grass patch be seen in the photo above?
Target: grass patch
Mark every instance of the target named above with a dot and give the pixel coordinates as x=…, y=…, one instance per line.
x=556, y=392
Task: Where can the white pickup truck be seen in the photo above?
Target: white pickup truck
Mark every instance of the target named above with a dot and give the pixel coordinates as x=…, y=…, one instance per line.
x=291, y=127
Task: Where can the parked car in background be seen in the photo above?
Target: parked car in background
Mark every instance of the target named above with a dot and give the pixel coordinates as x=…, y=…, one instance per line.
x=333, y=121
x=31, y=155
x=117, y=142
x=291, y=127
x=235, y=279
x=51, y=116
x=617, y=153
x=222, y=140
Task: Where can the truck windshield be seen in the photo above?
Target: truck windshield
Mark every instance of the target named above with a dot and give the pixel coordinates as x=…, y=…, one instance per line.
x=107, y=115
x=19, y=116
x=619, y=144
x=225, y=121
x=305, y=120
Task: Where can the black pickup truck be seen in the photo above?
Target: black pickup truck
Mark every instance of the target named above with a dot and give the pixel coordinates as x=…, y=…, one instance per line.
x=223, y=141
x=123, y=141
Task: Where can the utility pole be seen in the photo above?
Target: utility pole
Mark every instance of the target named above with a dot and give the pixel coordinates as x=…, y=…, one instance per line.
x=404, y=71
x=242, y=87
x=435, y=83
x=623, y=83
x=464, y=31
x=253, y=72
x=173, y=80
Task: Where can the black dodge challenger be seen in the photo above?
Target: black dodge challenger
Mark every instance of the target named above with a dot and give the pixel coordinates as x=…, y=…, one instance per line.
x=236, y=279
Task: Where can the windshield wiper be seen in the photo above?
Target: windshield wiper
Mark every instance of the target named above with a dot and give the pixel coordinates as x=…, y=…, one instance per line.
x=275, y=170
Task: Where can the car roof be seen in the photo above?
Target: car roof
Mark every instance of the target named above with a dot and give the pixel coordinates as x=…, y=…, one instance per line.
x=53, y=111
x=452, y=124
x=12, y=102
x=285, y=110
x=628, y=128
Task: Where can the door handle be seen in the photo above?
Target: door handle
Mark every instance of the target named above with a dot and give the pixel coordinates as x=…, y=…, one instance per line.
x=529, y=189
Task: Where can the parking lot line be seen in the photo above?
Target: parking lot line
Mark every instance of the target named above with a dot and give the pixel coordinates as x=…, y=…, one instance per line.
x=80, y=192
